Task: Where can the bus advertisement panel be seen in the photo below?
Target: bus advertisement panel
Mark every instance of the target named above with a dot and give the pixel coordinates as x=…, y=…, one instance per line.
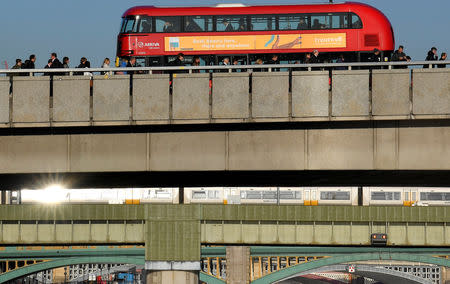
x=255, y=42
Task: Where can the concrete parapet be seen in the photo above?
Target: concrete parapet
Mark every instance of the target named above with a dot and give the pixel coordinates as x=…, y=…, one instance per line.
x=310, y=93
x=431, y=91
x=71, y=98
x=270, y=95
x=230, y=95
x=111, y=98
x=350, y=93
x=31, y=99
x=4, y=100
x=390, y=92
x=191, y=96
x=151, y=97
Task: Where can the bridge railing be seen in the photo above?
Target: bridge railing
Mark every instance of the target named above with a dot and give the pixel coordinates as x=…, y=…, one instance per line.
x=165, y=95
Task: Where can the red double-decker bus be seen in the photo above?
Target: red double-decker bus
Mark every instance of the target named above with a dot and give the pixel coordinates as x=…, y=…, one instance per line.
x=155, y=35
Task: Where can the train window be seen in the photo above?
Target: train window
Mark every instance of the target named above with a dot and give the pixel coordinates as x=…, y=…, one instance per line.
x=251, y=194
x=339, y=21
x=413, y=196
x=213, y=194
x=262, y=23
x=198, y=24
x=145, y=24
x=290, y=195
x=167, y=24
x=128, y=25
x=356, y=22
x=406, y=196
x=293, y=22
x=162, y=194
x=319, y=22
x=198, y=194
x=435, y=196
x=269, y=195
x=380, y=195
x=231, y=23
x=335, y=195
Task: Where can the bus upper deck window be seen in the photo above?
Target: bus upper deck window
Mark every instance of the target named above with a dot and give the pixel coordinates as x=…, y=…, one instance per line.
x=145, y=24
x=356, y=22
x=293, y=22
x=231, y=23
x=198, y=24
x=128, y=25
x=168, y=24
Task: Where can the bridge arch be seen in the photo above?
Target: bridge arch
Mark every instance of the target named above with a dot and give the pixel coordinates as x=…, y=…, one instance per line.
x=338, y=259
x=26, y=270
x=209, y=279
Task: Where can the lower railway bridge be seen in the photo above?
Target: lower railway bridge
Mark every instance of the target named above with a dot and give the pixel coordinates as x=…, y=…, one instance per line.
x=176, y=240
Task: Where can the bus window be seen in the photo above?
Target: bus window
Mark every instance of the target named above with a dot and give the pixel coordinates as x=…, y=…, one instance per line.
x=356, y=22
x=263, y=23
x=320, y=22
x=145, y=24
x=339, y=22
x=128, y=25
x=167, y=24
x=198, y=24
x=231, y=23
x=293, y=22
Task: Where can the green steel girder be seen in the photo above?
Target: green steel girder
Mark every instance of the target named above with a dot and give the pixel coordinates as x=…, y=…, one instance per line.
x=46, y=253
x=26, y=270
x=210, y=279
x=325, y=250
x=293, y=270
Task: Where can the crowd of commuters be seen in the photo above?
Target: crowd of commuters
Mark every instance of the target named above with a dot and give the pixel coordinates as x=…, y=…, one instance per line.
x=310, y=58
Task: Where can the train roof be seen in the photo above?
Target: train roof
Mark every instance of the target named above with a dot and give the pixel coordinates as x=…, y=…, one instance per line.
x=243, y=10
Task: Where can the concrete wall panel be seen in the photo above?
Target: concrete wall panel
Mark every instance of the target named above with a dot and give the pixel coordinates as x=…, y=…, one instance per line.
x=270, y=94
x=191, y=96
x=111, y=98
x=390, y=92
x=230, y=95
x=151, y=97
x=386, y=148
x=71, y=98
x=4, y=100
x=310, y=93
x=431, y=91
x=28, y=233
x=350, y=93
x=187, y=151
x=266, y=150
x=340, y=149
x=424, y=148
x=45, y=233
x=31, y=154
x=109, y=152
x=31, y=99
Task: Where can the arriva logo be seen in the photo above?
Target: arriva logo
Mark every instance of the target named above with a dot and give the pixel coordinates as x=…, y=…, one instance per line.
x=148, y=44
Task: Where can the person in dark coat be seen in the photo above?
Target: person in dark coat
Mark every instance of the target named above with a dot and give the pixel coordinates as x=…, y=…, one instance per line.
x=443, y=58
x=55, y=61
x=228, y=26
x=274, y=60
x=431, y=56
x=314, y=57
x=48, y=66
x=29, y=63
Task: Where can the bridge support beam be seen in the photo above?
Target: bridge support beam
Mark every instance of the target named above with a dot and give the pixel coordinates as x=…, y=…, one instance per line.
x=238, y=264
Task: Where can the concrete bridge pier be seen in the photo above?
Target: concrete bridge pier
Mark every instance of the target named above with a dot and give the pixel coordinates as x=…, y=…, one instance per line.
x=172, y=277
x=172, y=272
